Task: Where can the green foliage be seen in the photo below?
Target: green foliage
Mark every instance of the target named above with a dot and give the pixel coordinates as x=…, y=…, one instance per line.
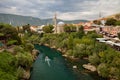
x=93, y=35
x=70, y=28
x=70, y=53
x=87, y=41
x=103, y=70
x=11, y=42
x=14, y=65
x=18, y=49
x=79, y=50
x=118, y=35
x=34, y=39
x=107, y=56
x=20, y=72
x=7, y=68
x=114, y=68
x=111, y=59
x=118, y=23
x=73, y=28
x=48, y=29
x=1, y=34
x=67, y=28
x=97, y=22
x=81, y=28
x=10, y=33
x=29, y=47
x=26, y=28
x=99, y=47
x=82, y=50
x=80, y=33
x=114, y=73
x=24, y=60
x=101, y=55
x=94, y=59
x=70, y=42
x=7, y=76
x=111, y=21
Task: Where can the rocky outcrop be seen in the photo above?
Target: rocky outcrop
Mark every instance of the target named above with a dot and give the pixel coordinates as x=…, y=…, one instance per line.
x=35, y=53
x=89, y=67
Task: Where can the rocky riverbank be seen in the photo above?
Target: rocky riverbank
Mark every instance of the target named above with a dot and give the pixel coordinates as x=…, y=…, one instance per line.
x=89, y=67
x=35, y=53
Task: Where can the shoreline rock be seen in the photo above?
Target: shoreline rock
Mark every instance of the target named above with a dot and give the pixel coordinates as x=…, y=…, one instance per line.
x=35, y=53
x=89, y=67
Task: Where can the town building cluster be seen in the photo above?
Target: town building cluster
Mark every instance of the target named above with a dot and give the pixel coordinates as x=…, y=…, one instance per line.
x=107, y=31
x=111, y=30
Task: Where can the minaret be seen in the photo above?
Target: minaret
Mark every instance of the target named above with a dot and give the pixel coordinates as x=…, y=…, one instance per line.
x=100, y=15
x=55, y=22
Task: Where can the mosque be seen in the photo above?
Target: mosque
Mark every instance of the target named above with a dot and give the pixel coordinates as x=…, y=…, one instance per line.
x=58, y=27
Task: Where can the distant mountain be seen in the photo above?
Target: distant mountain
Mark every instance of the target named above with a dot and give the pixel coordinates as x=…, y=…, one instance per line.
x=18, y=20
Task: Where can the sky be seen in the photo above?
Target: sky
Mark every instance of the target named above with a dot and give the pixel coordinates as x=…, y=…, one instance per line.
x=65, y=9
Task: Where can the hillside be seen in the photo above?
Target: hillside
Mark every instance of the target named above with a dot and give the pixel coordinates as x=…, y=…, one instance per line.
x=18, y=20
x=114, y=16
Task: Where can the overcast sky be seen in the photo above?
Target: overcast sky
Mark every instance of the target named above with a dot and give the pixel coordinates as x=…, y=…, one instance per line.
x=65, y=9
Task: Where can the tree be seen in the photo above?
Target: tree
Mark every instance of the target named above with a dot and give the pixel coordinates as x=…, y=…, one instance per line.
x=48, y=29
x=79, y=51
x=87, y=41
x=94, y=59
x=24, y=60
x=67, y=28
x=34, y=39
x=20, y=72
x=11, y=42
x=103, y=70
x=70, y=53
x=118, y=23
x=70, y=42
x=18, y=49
x=97, y=22
x=73, y=28
x=10, y=33
x=26, y=28
x=111, y=22
x=29, y=47
x=99, y=47
x=7, y=67
x=114, y=73
x=80, y=32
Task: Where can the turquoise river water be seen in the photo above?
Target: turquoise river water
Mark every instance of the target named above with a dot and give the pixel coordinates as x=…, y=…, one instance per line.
x=54, y=69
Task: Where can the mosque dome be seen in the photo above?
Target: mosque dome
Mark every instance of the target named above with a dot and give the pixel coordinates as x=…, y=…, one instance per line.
x=60, y=23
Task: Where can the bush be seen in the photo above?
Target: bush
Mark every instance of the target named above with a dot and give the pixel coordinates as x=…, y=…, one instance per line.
x=94, y=59
x=103, y=70
x=7, y=68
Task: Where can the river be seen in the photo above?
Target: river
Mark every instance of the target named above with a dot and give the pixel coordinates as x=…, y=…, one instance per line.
x=54, y=69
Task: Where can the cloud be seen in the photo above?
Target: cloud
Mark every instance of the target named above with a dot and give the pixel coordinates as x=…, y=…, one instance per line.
x=66, y=9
